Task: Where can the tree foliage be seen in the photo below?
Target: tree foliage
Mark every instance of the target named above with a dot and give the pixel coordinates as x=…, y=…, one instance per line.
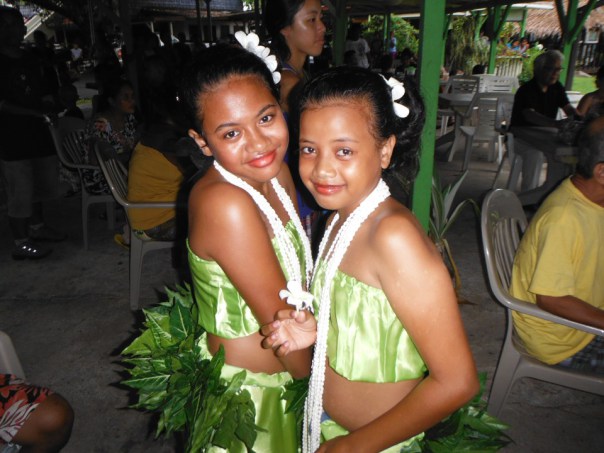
x=406, y=34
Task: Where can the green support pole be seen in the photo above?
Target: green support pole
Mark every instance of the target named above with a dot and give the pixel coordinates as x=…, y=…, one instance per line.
x=567, y=44
x=430, y=52
x=572, y=23
x=386, y=29
x=341, y=25
x=523, y=22
x=445, y=36
x=499, y=19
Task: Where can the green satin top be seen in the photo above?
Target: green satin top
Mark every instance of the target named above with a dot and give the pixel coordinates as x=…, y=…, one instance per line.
x=366, y=341
x=222, y=310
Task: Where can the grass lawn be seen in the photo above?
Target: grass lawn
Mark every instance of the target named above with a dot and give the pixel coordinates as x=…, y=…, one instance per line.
x=584, y=84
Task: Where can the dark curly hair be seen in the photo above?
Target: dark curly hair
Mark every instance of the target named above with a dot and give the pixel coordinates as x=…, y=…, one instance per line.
x=345, y=83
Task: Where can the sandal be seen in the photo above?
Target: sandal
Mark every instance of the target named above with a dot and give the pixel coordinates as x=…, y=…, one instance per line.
x=119, y=240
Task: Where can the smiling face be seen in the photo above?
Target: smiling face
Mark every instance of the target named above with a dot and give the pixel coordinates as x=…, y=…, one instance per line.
x=306, y=34
x=243, y=128
x=341, y=161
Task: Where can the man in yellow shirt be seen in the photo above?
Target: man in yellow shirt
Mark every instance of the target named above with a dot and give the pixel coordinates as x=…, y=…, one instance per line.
x=559, y=264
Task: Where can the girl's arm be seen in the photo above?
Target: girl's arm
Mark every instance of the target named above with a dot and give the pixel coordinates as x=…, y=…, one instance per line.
x=226, y=226
x=419, y=289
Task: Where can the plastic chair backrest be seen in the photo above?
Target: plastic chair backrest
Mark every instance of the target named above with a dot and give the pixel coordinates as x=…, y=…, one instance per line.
x=505, y=104
x=497, y=84
x=463, y=84
x=115, y=172
x=9, y=361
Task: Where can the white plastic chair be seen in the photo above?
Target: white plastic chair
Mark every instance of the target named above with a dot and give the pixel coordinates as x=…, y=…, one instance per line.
x=117, y=178
x=503, y=221
x=9, y=361
x=68, y=143
x=515, y=161
x=491, y=83
x=456, y=84
x=493, y=111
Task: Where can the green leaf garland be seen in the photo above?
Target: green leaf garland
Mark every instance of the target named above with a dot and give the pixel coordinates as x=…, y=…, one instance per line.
x=171, y=377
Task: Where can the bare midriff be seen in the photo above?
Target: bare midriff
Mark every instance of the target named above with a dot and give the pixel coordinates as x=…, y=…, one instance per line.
x=247, y=352
x=353, y=404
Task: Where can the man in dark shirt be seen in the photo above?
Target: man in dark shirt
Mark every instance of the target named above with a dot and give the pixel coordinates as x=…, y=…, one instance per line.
x=27, y=155
x=536, y=104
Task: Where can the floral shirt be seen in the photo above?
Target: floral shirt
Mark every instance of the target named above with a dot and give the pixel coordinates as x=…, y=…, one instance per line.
x=123, y=141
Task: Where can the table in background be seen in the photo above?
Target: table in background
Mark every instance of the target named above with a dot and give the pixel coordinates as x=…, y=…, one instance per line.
x=560, y=158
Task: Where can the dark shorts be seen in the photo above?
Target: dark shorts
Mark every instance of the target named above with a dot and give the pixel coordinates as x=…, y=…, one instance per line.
x=18, y=400
x=589, y=359
x=29, y=181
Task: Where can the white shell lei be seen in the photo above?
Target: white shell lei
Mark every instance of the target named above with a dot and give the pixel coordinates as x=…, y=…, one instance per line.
x=288, y=251
x=313, y=409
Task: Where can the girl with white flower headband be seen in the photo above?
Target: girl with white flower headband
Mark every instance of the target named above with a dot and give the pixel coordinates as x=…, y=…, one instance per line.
x=246, y=243
x=391, y=357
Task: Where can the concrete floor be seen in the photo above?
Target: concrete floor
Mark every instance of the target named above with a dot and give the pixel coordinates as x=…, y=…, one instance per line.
x=69, y=318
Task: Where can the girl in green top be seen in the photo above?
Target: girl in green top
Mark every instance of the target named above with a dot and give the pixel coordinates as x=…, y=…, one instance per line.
x=246, y=243
x=391, y=356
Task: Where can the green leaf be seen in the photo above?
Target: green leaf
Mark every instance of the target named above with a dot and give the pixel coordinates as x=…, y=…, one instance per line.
x=151, y=381
x=181, y=324
x=142, y=345
x=160, y=328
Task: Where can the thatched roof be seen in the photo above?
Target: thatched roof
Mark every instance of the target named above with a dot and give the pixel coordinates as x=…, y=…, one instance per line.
x=545, y=22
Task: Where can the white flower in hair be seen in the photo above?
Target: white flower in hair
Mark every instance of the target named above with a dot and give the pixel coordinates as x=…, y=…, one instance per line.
x=296, y=296
x=251, y=43
x=398, y=91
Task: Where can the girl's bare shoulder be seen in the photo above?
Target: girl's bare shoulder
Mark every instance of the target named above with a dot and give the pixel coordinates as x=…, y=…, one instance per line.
x=395, y=228
x=212, y=195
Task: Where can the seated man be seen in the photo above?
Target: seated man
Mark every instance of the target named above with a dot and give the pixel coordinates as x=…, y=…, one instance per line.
x=560, y=263
x=536, y=103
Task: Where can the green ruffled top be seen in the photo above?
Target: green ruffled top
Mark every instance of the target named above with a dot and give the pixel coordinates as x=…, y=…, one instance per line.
x=366, y=341
x=222, y=310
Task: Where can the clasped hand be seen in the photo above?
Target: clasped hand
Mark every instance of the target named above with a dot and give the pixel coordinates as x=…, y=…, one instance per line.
x=290, y=331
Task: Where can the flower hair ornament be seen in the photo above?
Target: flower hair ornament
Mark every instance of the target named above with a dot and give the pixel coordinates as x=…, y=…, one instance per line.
x=251, y=43
x=397, y=90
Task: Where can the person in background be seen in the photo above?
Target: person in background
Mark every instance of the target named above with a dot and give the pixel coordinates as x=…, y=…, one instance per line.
x=524, y=46
x=115, y=121
x=536, y=103
x=27, y=154
x=76, y=56
x=358, y=44
x=32, y=418
x=392, y=45
x=68, y=98
x=559, y=264
x=592, y=104
x=296, y=32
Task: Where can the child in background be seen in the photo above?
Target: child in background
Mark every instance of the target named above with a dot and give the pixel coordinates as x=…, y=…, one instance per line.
x=391, y=356
x=246, y=242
